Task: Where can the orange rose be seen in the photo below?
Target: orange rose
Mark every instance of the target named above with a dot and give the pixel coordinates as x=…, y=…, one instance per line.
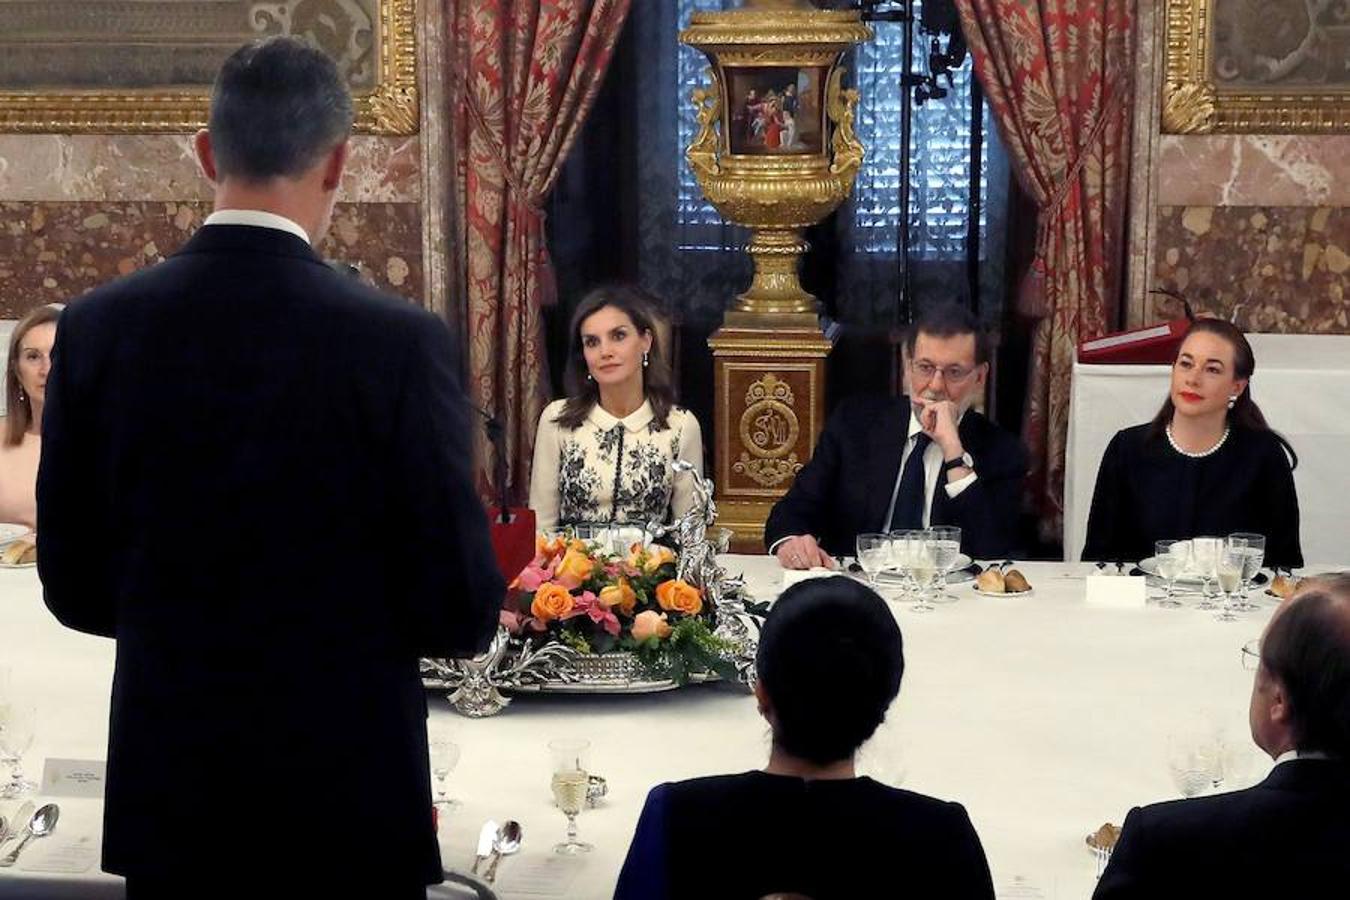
x=546, y=548
x=658, y=556
x=650, y=624
x=551, y=601
x=620, y=595
x=679, y=596
x=575, y=568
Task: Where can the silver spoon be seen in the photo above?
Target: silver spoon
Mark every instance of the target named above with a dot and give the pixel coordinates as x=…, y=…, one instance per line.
x=42, y=824
x=507, y=843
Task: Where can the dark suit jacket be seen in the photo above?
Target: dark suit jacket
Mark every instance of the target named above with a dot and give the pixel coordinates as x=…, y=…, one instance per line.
x=844, y=839
x=1285, y=837
x=846, y=488
x=255, y=476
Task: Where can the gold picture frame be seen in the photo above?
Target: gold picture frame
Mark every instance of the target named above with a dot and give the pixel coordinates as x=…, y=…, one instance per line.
x=381, y=64
x=1229, y=71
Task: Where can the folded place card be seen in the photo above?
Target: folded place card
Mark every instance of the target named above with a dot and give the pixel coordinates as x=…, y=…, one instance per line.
x=1020, y=887
x=539, y=876
x=74, y=778
x=792, y=576
x=1117, y=591
x=68, y=855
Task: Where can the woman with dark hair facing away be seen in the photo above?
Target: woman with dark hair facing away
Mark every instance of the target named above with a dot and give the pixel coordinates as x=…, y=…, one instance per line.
x=603, y=454
x=30, y=359
x=1208, y=464
x=829, y=664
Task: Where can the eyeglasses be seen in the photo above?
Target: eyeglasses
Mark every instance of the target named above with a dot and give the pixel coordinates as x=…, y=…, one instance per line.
x=950, y=374
x=1251, y=655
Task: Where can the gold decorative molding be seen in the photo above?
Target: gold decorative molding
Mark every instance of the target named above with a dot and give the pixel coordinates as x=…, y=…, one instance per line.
x=1197, y=100
x=769, y=429
x=388, y=108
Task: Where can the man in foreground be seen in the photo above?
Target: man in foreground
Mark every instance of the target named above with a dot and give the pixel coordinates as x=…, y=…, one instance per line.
x=1287, y=836
x=256, y=478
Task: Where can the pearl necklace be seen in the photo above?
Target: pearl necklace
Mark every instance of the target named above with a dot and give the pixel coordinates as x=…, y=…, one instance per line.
x=1203, y=453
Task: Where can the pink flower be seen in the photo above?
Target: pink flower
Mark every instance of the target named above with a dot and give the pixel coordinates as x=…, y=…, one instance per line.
x=650, y=624
x=589, y=605
x=515, y=622
x=534, y=575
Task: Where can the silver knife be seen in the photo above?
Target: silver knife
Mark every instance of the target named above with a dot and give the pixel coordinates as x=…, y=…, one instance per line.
x=486, y=836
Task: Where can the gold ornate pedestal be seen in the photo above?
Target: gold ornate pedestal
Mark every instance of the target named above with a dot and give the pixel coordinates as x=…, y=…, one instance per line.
x=775, y=152
x=770, y=386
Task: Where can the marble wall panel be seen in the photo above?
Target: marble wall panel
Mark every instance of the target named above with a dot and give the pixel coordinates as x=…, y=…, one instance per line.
x=163, y=167
x=56, y=251
x=1283, y=268
x=1254, y=170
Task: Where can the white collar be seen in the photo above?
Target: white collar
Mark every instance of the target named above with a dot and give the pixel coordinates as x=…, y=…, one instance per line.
x=257, y=218
x=634, y=421
x=1289, y=755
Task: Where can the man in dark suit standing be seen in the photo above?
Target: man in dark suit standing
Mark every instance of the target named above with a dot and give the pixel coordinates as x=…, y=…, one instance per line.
x=1287, y=836
x=256, y=477
x=884, y=463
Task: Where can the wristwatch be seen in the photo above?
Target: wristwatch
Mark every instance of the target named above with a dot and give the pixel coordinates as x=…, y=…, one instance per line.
x=963, y=460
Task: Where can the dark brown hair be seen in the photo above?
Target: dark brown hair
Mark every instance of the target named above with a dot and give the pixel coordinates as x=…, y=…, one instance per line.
x=583, y=393
x=945, y=321
x=18, y=408
x=1245, y=413
x=1307, y=649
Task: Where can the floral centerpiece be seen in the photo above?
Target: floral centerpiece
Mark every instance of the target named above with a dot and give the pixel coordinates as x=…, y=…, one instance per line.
x=592, y=600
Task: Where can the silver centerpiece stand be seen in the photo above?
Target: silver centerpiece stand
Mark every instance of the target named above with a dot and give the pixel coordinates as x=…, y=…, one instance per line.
x=475, y=686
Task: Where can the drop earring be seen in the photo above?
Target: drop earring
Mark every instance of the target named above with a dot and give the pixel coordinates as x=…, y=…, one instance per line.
x=644, y=359
x=1232, y=400
x=590, y=377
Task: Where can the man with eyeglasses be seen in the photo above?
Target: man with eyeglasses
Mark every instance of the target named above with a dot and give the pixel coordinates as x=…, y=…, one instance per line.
x=1286, y=836
x=885, y=463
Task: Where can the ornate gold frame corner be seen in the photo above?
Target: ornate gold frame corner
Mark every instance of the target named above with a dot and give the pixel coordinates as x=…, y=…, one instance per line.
x=390, y=108
x=1193, y=104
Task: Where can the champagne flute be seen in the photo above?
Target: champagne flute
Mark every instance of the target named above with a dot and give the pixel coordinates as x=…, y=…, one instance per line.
x=1172, y=558
x=569, y=784
x=18, y=727
x=902, y=553
x=923, y=567
x=1228, y=570
x=874, y=551
x=1205, y=556
x=1255, y=557
x=444, y=757
x=947, y=544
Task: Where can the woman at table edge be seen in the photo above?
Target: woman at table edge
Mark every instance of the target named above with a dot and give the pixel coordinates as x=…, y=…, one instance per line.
x=1208, y=464
x=829, y=665
x=603, y=454
x=30, y=358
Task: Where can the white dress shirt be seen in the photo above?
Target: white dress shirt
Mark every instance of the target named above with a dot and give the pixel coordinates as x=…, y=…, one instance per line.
x=1289, y=755
x=258, y=219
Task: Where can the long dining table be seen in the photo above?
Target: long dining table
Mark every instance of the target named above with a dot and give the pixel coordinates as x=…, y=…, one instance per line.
x=1045, y=716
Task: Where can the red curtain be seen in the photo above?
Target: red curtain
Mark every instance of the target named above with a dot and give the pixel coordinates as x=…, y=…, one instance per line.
x=524, y=74
x=1057, y=74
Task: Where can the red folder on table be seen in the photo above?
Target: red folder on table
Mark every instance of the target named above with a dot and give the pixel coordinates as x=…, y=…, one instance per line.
x=1154, y=344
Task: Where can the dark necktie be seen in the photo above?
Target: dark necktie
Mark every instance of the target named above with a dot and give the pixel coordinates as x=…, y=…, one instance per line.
x=909, y=496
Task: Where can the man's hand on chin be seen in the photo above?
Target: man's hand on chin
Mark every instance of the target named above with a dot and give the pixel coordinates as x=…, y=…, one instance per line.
x=938, y=419
x=802, y=552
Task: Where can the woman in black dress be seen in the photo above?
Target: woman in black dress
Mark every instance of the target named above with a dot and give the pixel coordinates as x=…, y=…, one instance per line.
x=1208, y=464
x=829, y=665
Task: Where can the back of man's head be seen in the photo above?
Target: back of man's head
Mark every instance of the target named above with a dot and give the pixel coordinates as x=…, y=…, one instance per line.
x=1307, y=649
x=277, y=107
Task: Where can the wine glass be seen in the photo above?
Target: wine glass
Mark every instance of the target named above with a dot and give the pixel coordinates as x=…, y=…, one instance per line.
x=874, y=552
x=1205, y=557
x=1172, y=558
x=444, y=757
x=1196, y=763
x=18, y=726
x=1228, y=570
x=902, y=552
x=569, y=784
x=947, y=547
x=922, y=567
x=1254, y=557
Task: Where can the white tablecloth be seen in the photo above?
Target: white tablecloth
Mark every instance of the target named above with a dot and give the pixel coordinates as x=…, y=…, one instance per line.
x=1302, y=384
x=1043, y=716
